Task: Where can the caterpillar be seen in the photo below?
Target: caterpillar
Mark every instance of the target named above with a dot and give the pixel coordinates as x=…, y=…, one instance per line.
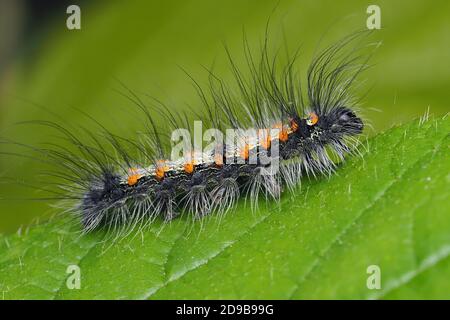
x=109, y=181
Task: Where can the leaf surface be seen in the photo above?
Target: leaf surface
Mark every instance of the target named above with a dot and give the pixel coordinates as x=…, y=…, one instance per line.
x=389, y=208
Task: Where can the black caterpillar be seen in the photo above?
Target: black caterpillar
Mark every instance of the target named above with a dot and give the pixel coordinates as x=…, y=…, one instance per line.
x=108, y=184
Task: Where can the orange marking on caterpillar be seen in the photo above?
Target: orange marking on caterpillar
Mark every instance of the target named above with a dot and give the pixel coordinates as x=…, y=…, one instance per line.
x=265, y=140
x=161, y=169
x=189, y=167
x=312, y=119
x=294, y=125
x=133, y=177
x=283, y=135
x=218, y=159
x=245, y=151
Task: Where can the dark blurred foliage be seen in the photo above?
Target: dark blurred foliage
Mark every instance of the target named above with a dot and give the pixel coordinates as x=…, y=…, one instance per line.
x=23, y=23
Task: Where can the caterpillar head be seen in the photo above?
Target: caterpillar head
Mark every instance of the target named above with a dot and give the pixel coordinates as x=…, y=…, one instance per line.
x=337, y=122
x=343, y=121
x=311, y=134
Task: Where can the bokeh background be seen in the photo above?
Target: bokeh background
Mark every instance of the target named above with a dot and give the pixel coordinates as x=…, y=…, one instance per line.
x=48, y=71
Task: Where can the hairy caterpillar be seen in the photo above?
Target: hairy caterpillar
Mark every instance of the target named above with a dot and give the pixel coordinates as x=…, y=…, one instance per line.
x=108, y=185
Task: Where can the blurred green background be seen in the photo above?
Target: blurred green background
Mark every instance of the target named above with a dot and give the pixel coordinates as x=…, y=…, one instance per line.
x=144, y=43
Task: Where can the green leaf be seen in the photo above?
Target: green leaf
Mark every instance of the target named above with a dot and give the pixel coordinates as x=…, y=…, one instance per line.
x=389, y=208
